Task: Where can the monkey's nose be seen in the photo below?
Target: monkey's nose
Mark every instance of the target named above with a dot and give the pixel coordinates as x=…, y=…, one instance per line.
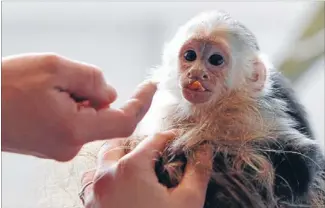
x=205, y=76
x=197, y=75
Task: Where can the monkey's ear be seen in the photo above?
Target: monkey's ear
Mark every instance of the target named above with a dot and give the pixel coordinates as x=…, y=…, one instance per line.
x=258, y=77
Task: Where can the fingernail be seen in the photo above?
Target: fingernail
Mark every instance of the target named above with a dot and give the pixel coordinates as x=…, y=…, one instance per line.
x=148, y=87
x=87, y=174
x=149, y=82
x=111, y=93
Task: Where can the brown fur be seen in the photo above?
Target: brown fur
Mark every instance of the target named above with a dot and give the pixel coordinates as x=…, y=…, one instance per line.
x=235, y=119
x=228, y=126
x=242, y=175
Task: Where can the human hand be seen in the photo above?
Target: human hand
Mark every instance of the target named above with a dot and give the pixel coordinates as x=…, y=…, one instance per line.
x=130, y=180
x=52, y=106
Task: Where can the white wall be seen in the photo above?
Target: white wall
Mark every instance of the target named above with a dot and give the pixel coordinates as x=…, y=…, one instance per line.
x=125, y=39
x=310, y=89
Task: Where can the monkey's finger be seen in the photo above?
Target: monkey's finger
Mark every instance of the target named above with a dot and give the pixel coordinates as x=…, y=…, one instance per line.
x=112, y=123
x=84, y=82
x=197, y=174
x=150, y=148
x=110, y=152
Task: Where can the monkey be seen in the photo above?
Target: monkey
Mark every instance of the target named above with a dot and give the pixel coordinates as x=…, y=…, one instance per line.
x=283, y=90
x=218, y=89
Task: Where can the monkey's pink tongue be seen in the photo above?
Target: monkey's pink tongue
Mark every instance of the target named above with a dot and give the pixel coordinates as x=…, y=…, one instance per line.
x=197, y=86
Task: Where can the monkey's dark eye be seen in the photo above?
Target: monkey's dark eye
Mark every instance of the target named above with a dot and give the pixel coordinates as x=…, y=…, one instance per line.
x=190, y=55
x=216, y=60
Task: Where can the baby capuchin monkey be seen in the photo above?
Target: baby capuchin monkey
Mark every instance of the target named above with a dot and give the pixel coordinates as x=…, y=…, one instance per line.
x=217, y=89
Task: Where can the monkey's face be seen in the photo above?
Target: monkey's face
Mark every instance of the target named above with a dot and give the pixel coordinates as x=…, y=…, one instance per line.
x=203, y=67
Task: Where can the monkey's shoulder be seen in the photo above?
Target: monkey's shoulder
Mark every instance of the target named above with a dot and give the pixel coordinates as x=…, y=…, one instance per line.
x=283, y=90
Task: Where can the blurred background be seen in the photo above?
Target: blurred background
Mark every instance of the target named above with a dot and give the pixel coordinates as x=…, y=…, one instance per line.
x=126, y=39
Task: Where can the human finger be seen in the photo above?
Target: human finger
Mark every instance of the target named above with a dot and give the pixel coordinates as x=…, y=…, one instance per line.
x=197, y=175
x=110, y=152
x=87, y=180
x=138, y=105
x=150, y=148
x=112, y=123
x=82, y=81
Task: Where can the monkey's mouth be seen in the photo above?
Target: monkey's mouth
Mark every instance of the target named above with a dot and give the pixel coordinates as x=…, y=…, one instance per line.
x=195, y=92
x=196, y=86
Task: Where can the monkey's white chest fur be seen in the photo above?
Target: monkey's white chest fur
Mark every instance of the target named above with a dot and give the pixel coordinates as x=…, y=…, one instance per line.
x=153, y=121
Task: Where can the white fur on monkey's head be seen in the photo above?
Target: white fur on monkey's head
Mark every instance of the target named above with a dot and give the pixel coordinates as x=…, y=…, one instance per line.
x=244, y=51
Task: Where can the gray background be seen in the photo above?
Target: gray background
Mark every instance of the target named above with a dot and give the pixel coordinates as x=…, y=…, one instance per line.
x=124, y=40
